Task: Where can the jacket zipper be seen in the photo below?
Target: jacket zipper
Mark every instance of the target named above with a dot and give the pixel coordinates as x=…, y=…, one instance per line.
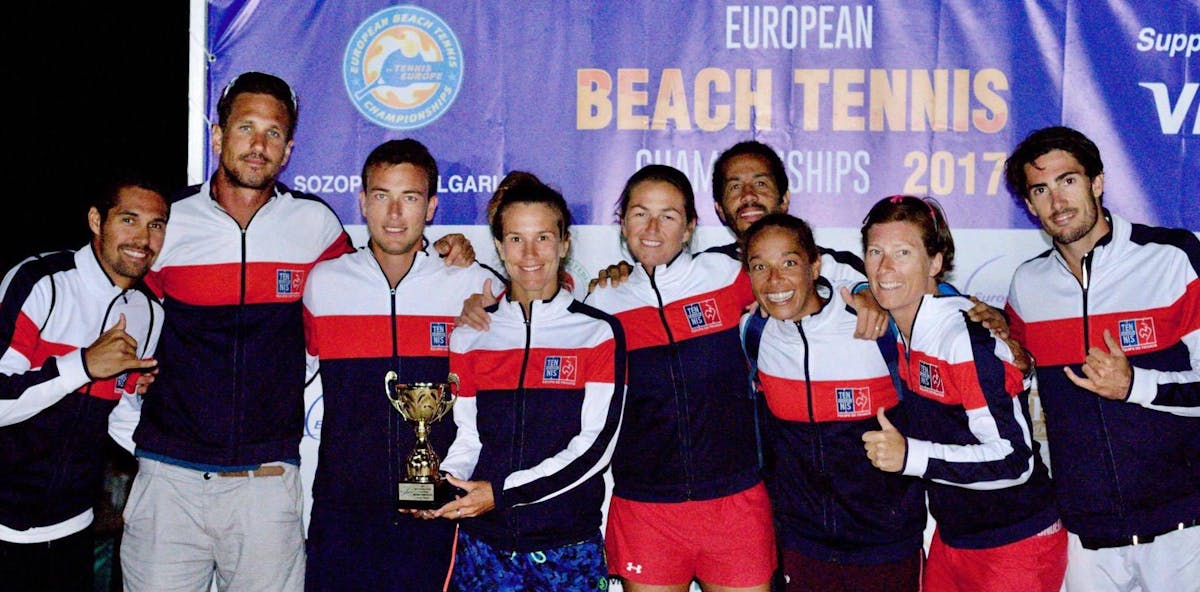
x=239, y=342
x=395, y=421
x=681, y=399
x=239, y=352
x=393, y=470
x=58, y=480
x=818, y=446
x=1085, y=269
x=519, y=419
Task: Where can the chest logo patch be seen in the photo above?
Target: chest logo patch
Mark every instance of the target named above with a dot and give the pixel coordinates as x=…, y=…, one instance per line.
x=853, y=402
x=119, y=383
x=289, y=282
x=703, y=315
x=931, y=379
x=1137, y=334
x=560, y=370
x=439, y=336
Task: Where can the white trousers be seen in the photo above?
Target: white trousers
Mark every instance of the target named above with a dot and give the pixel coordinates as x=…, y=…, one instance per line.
x=1169, y=563
x=183, y=528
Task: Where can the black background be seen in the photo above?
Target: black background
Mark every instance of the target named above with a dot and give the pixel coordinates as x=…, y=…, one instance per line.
x=91, y=88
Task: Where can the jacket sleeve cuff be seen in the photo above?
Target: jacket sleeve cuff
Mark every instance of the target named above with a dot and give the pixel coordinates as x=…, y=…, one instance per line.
x=916, y=457
x=1143, y=386
x=72, y=371
x=498, y=495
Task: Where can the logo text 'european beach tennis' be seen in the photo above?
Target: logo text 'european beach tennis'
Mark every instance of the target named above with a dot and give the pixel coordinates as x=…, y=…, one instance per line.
x=403, y=67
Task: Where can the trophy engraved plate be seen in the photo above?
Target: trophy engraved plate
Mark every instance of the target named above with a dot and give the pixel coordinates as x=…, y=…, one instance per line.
x=422, y=404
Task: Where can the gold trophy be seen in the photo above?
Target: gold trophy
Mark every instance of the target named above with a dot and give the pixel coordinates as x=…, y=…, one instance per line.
x=422, y=404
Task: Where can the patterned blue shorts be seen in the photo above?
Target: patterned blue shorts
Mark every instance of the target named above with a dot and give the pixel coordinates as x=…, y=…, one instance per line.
x=480, y=566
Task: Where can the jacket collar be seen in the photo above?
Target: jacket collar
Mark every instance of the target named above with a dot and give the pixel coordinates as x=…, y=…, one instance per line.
x=540, y=310
x=1118, y=234
x=277, y=190
x=667, y=273
x=87, y=260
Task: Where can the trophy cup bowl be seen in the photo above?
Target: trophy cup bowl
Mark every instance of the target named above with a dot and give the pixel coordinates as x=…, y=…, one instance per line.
x=422, y=404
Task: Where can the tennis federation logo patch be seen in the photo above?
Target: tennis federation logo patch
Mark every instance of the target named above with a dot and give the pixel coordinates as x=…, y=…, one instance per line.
x=1137, y=334
x=289, y=283
x=853, y=402
x=439, y=336
x=403, y=67
x=703, y=315
x=560, y=370
x=931, y=379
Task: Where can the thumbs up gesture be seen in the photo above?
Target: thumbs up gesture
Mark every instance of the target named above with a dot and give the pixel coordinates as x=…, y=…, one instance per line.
x=112, y=353
x=473, y=314
x=886, y=447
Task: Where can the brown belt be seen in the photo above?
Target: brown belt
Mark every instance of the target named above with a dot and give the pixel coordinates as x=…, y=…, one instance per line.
x=263, y=471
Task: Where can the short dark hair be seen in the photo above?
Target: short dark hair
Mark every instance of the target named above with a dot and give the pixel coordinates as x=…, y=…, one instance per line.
x=528, y=189
x=786, y=222
x=109, y=194
x=778, y=172
x=258, y=83
x=666, y=174
x=923, y=212
x=1045, y=140
x=408, y=150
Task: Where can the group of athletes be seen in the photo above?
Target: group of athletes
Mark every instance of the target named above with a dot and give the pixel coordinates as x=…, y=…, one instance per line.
x=776, y=415
x=883, y=388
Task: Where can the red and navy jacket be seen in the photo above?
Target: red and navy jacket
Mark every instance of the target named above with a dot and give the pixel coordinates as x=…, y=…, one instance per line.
x=823, y=388
x=688, y=431
x=358, y=328
x=54, y=415
x=538, y=413
x=230, y=388
x=1121, y=468
x=969, y=431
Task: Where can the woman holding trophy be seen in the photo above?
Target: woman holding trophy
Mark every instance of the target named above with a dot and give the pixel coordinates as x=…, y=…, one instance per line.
x=540, y=402
x=688, y=502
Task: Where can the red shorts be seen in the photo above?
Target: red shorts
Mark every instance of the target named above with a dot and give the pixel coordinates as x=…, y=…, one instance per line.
x=728, y=541
x=1034, y=564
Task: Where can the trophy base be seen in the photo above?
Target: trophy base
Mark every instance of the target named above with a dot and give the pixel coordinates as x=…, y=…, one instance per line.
x=425, y=496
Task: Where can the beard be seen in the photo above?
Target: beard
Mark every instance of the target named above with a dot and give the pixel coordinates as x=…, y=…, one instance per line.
x=133, y=271
x=130, y=268
x=250, y=179
x=740, y=224
x=1068, y=235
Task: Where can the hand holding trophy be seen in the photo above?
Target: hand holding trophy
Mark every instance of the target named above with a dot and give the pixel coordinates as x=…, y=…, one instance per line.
x=422, y=404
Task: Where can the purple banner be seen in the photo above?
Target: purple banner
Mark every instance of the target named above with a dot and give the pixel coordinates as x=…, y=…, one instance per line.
x=862, y=99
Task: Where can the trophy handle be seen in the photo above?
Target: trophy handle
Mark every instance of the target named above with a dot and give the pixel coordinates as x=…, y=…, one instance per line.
x=449, y=394
x=389, y=385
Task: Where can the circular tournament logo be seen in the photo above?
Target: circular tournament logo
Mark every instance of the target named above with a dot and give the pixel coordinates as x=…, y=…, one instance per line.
x=313, y=418
x=403, y=67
